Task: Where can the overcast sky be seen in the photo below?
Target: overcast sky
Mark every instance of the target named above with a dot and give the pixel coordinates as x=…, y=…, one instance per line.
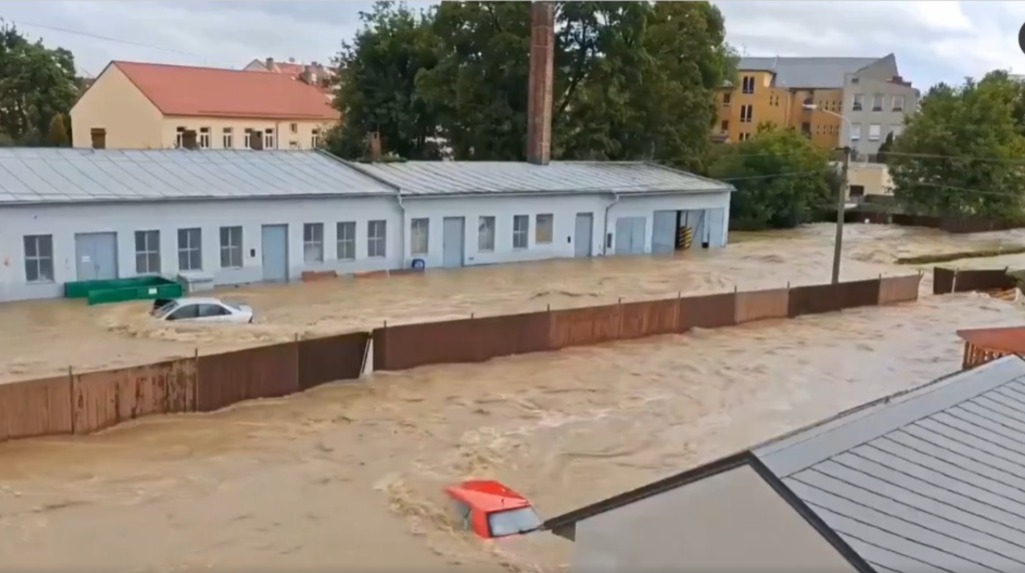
x=933, y=41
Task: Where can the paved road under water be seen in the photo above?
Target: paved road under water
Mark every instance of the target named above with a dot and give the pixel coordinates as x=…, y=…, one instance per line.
x=348, y=476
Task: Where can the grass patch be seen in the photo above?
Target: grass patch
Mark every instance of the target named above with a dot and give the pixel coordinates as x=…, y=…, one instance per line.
x=947, y=257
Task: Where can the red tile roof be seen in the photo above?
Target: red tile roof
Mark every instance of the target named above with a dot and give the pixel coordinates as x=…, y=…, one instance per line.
x=217, y=92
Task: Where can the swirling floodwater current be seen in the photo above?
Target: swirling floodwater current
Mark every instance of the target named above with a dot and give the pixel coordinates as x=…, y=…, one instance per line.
x=349, y=476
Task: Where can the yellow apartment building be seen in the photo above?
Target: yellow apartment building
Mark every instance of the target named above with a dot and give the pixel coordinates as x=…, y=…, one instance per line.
x=135, y=105
x=778, y=90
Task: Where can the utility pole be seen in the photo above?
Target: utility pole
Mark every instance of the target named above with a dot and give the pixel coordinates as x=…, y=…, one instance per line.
x=841, y=203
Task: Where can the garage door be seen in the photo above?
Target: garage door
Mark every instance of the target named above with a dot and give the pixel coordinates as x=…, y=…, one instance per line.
x=663, y=232
x=96, y=256
x=630, y=235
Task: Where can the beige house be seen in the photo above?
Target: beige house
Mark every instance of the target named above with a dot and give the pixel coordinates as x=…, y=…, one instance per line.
x=867, y=178
x=156, y=106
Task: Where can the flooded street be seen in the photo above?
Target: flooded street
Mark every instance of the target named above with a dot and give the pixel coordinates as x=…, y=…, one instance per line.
x=349, y=476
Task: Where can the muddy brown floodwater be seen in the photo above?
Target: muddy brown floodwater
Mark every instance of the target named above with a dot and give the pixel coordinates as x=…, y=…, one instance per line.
x=348, y=476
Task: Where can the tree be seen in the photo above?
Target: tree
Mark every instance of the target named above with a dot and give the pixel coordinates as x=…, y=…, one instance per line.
x=961, y=154
x=886, y=146
x=633, y=80
x=36, y=83
x=57, y=134
x=377, y=86
x=780, y=176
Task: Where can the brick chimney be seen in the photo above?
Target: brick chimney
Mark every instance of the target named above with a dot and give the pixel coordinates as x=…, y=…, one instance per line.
x=375, y=145
x=269, y=64
x=309, y=74
x=539, y=103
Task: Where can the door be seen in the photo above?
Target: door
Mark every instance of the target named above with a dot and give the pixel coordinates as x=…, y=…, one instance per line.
x=715, y=224
x=583, y=235
x=663, y=232
x=630, y=235
x=453, y=242
x=275, y=253
x=96, y=256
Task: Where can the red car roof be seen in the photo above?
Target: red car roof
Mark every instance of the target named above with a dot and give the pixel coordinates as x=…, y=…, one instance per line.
x=487, y=495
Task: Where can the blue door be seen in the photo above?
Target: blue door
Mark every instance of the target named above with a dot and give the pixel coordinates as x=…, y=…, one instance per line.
x=95, y=256
x=630, y=235
x=715, y=227
x=453, y=242
x=583, y=235
x=274, y=247
x=663, y=232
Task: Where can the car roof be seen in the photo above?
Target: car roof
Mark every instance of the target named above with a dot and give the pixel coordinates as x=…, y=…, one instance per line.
x=198, y=300
x=487, y=495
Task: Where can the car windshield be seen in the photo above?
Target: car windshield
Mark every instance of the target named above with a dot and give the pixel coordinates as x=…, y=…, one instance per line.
x=513, y=521
x=163, y=311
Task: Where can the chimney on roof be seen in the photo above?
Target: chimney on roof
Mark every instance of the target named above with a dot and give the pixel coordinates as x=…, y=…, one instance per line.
x=309, y=74
x=269, y=64
x=374, y=138
x=539, y=102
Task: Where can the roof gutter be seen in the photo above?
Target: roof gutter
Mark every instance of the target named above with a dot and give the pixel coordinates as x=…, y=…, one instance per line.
x=660, y=193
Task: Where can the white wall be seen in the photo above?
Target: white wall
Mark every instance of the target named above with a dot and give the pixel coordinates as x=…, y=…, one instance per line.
x=564, y=209
x=732, y=521
x=63, y=222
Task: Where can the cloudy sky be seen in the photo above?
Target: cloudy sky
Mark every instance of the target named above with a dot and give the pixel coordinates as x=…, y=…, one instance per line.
x=933, y=40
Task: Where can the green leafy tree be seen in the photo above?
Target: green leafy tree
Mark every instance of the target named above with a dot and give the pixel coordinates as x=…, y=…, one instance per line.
x=377, y=85
x=961, y=154
x=633, y=80
x=782, y=179
x=57, y=133
x=884, y=148
x=36, y=83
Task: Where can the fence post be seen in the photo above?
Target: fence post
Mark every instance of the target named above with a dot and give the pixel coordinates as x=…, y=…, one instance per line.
x=195, y=385
x=471, y=316
x=953, y=282
x=71, y=390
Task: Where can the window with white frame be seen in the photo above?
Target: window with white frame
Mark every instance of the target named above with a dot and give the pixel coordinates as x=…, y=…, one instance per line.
x=147, y=252
x=252, y=138
x=190, y=251
x=268, y=139
x=294, y=128
x=877, y=102
x=227, y=138
x=746, y=114
x=521, y=228
x=377, y=245
x=346, y=241
x=315, y=138
x=748, y=85
x=419, y=236
x=874, y=132
x=855, y=131
x=293, y=145
x=898, y=103
x=231, y=247
x=486, y=234
x=859, y=102
x=204, y=138
x=313, y=242
x=179, y=137
x=544, y=228
x=38, y=258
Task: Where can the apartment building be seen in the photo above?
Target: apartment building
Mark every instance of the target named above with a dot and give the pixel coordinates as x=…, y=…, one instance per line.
x=817, y=96
x=134, y=105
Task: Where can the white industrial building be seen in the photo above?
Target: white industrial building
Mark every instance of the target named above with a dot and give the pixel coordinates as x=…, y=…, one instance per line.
x=239, y=217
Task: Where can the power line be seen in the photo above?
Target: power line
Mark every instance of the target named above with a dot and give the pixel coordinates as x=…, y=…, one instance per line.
x=23, y=23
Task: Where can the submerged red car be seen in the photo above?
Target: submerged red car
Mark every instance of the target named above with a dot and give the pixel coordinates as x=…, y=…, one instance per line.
x=492, y=510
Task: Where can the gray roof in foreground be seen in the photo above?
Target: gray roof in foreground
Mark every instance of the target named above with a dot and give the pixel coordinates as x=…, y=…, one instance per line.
x=807, y=72
x=929, y=480
x=481, y=177
x=48, y=175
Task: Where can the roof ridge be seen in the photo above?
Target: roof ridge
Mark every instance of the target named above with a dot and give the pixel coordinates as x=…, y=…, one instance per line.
x=165, y=65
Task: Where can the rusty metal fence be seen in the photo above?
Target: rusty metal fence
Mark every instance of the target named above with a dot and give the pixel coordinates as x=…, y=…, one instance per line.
x=81, y=403
x=946, y=281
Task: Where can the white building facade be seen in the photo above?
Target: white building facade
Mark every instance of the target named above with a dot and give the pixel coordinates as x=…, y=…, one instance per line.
x=241, y=217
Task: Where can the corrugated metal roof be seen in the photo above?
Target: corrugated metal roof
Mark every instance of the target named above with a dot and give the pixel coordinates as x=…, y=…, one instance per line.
x=931, y=480
x=42, y=175
x=475, y=177
x=807, y=72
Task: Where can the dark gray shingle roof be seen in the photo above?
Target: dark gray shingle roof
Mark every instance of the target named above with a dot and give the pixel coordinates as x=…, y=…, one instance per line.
x=807, y=72
x=41, y=175
x=475, y=177
x=931, y=480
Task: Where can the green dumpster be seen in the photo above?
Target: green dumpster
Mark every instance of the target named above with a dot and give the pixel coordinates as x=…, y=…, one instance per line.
x=121, y=290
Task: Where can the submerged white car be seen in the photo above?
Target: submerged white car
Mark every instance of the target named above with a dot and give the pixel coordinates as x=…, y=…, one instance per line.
x=202, y=310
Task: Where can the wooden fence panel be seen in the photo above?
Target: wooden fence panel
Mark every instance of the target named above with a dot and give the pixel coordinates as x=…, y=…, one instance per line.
x=331, y=358
x=707, y=311
x=232, y=377
x=649, y=318
x=496, y=336
x=942, y=280
x=856, y=294
x=762, y=305
x=584, y=326
x=35, y=408
x=893, y=290
x=815, y=299
x=411, y=345
x=109, y=397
